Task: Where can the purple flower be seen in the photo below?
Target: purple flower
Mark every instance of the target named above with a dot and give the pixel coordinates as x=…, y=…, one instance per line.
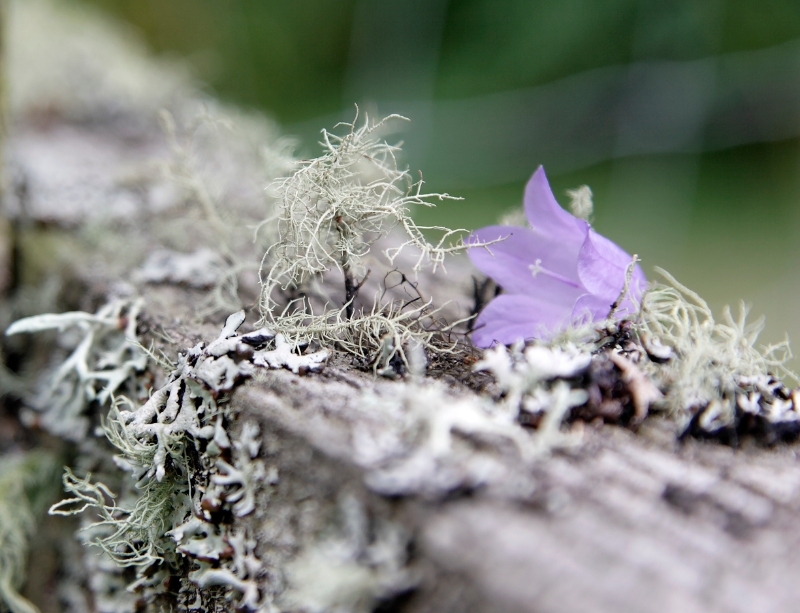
x=556, y=272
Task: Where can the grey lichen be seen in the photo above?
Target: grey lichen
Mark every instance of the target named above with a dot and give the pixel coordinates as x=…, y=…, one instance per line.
x=237, y=483
x=174, y=447
x=182, y=514
x=412, y=440
x=224, y=557
x=200, y=269
x=285, y=355
x=523, y=373
x=105, y=360
x=671, y=357
x=68, y=59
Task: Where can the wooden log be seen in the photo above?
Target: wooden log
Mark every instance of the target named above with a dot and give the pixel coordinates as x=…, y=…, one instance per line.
x=621, y=521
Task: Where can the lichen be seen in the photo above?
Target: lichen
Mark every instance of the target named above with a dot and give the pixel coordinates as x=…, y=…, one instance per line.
x=176, y=516
x=331, y=211
x=68, y=59
x=581, y=203
x=105, y=360
x=237, y=482
x=671, y=357
x=336, y=205
x=174, y=447
x=523, y=373
x=206, y=150
x=363, y=563
x=380, y=337
x=411, y=438
x=714, y=378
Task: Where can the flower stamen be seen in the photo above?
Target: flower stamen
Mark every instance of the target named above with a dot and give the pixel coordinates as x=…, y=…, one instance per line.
x=536, y=268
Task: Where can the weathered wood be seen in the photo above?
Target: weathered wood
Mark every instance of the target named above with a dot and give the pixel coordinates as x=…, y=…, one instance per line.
x=628, y=521
x=622, y=521
x=625, y=521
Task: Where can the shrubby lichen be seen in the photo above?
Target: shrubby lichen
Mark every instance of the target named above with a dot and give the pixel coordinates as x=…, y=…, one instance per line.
x=180, y=502
x=675, y=358
x=713, y=376
x=205, y=152
x=335, y=206
x=105, y=360
x=331, y=210
x=174, y=447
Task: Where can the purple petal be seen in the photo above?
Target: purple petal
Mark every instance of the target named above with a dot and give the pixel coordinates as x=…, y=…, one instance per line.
x=512, y=263
x=602, y=265
x=590, y=308
x=547, y=217
x=509, y=318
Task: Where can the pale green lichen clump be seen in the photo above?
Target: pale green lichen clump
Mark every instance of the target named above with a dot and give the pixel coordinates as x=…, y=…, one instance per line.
x=336, y=205
x=208, y=154
x=181, y=461
x=711, y=371
x=330, y=211
x=172, y=448
x=671, y=356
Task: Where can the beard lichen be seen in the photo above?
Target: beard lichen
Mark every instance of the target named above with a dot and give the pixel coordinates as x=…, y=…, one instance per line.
x=716, y=381
x=672, y=357
x=335, y=206
x=331, y=211
x=205, y=151
x=174, y=515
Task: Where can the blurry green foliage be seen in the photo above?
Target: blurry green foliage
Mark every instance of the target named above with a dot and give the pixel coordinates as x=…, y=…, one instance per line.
x=286, y=57
x=290, y=58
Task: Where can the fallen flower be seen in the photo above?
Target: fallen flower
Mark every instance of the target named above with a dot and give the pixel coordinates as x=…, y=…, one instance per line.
x=556, y=272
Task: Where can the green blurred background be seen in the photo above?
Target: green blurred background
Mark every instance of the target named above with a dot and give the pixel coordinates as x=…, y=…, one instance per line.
x=682, y=115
